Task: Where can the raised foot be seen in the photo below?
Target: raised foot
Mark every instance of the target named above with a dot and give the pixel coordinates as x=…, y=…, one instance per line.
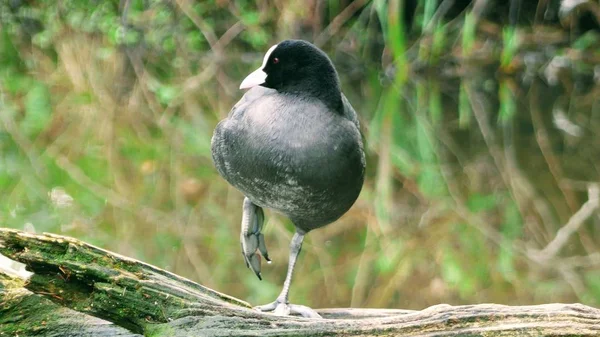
x=252, y=240
x=286, y=309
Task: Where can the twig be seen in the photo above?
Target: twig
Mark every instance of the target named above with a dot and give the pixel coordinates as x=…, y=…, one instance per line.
x=137, y=63
x=229, y=35
x=111, y=196
x=479, y=8
x=475, y=220
x=592, y=260
x=339, y=21
x=573, y=279
x=208, y=33
x=442, y=10
x=361, y=278
x=510, y=174
x=572, y=225
x=543, y=140
x=11, y=128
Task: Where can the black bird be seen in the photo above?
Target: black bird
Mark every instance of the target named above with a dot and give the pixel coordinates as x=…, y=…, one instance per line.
x=291, y=144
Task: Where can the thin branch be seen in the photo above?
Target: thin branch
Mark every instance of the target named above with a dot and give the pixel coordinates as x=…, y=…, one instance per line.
x=543, y=140
x=339, y=21
x=592, y=260
x=112, y=197
x=229, y=35
x=441, y=11
x=572, y=225
x=206, y=30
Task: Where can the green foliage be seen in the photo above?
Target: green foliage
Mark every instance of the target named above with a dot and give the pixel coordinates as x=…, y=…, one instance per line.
x=511, y=230
x=430, y=180
x=510, y=37
x=9, y=55
x=508, y=106
x=587, y=41
x=454, y=273
x=439, y=43
x=428, y=11
x=396, y=39
x=592, y=281
x=435, y=107
x=464, y=107
x=469, y=34
x=478, y=202
x=37, y=109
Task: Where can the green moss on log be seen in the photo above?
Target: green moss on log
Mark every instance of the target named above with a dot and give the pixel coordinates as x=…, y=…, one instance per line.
x=23, y=313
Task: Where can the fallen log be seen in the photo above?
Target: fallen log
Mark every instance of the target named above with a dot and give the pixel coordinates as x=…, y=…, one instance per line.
x=85, y=290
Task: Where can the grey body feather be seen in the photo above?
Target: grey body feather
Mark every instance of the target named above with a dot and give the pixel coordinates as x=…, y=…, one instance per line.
x=292, y=154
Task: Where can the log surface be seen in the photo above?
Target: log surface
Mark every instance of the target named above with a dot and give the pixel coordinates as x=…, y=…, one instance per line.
x=86, y=290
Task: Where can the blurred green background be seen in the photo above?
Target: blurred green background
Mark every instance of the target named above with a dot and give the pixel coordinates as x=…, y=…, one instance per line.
x=481, y=123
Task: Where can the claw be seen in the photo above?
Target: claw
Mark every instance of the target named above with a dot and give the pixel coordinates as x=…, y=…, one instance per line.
x=262, y=247
x=255, y=265
x=249, y=247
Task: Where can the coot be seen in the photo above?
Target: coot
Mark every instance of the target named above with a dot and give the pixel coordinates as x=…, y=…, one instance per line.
x=291, y=144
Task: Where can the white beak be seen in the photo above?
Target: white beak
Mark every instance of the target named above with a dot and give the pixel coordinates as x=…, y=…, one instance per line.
x=255, y=78
x=258, y=76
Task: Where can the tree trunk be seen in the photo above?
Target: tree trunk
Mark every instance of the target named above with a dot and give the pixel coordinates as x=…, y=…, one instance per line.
x=84, y=290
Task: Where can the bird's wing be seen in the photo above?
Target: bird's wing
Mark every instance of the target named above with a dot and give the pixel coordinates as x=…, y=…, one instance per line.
x=226, y=130
x=349, y=112
x=218, y=147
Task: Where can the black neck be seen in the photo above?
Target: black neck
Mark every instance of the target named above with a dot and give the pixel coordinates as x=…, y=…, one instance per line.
x=327, y=92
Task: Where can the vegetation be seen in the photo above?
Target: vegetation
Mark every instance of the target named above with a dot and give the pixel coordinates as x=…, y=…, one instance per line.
x=481, y=127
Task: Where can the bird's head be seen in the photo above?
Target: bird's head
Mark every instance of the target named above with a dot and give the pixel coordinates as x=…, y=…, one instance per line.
x=294, y=66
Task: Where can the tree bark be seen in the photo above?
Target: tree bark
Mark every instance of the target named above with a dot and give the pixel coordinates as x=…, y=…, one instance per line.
x=85, y=290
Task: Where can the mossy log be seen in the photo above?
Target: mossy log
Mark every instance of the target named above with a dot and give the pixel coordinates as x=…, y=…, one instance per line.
x=84, y=290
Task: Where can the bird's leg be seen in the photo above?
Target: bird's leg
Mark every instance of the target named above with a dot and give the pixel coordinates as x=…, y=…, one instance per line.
x=281, y=305
x=251, y=238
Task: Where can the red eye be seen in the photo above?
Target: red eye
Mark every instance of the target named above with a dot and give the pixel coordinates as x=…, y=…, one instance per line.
x=275, y=60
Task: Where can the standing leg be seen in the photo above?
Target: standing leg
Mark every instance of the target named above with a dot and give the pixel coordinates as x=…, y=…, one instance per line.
x=281, y=305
